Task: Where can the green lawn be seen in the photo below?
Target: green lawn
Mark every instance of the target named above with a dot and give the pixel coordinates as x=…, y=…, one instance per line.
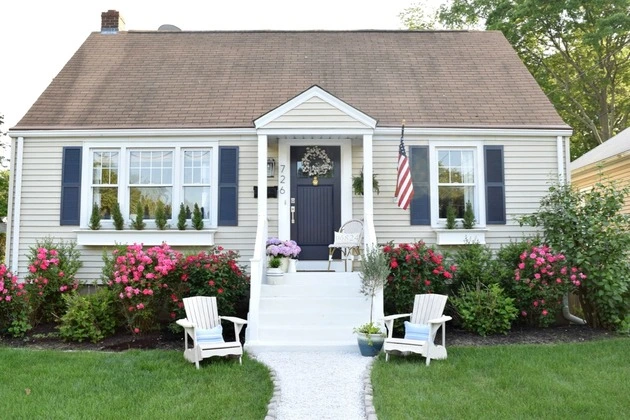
x=562, y=381
x=148, y=384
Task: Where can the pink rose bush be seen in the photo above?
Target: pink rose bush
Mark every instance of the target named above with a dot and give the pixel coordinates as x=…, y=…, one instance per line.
x=51, y=274
x=541, y=278
x=414, y=269
x=14, y=305
x=141, y=279
x=150, y=283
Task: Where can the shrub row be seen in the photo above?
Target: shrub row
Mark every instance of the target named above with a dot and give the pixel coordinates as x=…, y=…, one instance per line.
x=523, y=283
x=142, y=289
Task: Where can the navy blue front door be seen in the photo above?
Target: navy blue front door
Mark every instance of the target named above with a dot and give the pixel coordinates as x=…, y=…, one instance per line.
x=317, y=207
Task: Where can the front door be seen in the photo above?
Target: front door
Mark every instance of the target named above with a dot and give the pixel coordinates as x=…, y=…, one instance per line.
x=317, y=207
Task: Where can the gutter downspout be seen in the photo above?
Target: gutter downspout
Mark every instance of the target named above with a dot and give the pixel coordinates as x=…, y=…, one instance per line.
x=563, y=177
x=14, y=231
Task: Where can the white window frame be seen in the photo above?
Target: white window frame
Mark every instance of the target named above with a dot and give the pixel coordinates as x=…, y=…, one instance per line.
x=124, y=148
x=479, y=195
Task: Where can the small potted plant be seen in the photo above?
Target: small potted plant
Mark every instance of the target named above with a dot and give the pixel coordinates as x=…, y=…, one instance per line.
x=357, y=184
x=374, y=271
x=274, y=272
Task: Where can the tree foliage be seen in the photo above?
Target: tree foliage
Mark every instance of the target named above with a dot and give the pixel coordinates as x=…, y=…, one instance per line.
x=578, y=51
x=593, y=234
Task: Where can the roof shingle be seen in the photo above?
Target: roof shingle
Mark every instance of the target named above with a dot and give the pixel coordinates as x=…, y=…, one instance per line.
x=228, y=79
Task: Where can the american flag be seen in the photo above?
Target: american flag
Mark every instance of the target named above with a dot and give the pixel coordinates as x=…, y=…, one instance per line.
x=404, y=185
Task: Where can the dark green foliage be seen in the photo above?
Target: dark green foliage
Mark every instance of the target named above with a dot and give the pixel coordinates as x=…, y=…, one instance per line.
x=485, y=310
x=469, y=216
x=197, y=218
x=181, y=217
x=89, y=317
x=160, y=216
x=138, y=222
x=95, y=218
x=188, y=213
x=119, y=222
x=589, y=228
x=357, y=184
x=476, y=265
x=450, y=217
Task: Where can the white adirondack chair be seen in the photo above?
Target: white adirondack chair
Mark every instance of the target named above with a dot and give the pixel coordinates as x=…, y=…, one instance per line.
x=348, y=240
x=427, y=310
x=202, y=316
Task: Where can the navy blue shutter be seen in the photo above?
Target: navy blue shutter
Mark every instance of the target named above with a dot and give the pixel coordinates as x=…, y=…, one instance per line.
x=71, y=186
x=495, y=185
x=228, y=186
x=421, y=203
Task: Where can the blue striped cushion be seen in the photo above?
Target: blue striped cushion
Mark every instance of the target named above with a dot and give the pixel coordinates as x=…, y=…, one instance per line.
x=213, y=335
x=417, y=331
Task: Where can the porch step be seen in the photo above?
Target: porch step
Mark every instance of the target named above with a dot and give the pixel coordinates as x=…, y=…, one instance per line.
x=311, y=311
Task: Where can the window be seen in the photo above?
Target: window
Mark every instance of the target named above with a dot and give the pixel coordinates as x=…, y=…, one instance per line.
x=145, y=176
x=150, y=181
x=456, y=180
x=105, y=181
x=454, y=175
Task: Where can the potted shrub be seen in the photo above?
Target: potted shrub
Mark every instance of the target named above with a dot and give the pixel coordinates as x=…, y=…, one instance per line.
x=374, y=271
x=274, y=272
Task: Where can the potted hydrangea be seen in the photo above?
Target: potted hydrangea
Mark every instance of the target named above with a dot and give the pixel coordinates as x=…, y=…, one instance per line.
x=287, y=250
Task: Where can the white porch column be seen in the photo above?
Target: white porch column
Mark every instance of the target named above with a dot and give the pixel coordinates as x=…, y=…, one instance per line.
x=369, y=233
x=258, y=260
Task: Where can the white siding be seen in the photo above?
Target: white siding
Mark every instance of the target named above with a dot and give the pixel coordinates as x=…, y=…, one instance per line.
x=41, y=201
x=315, y=113
x=530, y=163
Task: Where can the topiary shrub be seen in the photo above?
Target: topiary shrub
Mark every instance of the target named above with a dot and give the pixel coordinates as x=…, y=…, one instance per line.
x=160, y=216
x=89, y=317
x=95, y=218
x=119, y=221
x=138, y=222
x=485, y=310
x=181, y=218
x=469, y=216
x=197, y=218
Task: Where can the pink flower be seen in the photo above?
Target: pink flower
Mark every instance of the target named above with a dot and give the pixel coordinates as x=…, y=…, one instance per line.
x=427, y=283
x=136, y=330
x=544, y=312
x=220, y=291
x=140, y=306
x=535, y=303
x=8, y=298
x=558, y=280
x=521, y=266
x=524, y=313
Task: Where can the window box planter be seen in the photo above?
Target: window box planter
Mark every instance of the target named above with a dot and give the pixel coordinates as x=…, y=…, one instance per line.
x=172, y=237
x=460, y=236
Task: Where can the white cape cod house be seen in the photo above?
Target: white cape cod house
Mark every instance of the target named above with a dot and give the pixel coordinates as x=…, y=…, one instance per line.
x=223, y=120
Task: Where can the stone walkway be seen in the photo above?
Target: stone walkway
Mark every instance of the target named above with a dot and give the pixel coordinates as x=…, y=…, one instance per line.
x=323, y=385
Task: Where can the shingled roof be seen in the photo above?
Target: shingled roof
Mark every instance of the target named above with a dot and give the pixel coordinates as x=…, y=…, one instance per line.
x=228, y=79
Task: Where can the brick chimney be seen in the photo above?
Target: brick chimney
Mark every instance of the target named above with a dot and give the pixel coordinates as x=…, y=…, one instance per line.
x=112, y=22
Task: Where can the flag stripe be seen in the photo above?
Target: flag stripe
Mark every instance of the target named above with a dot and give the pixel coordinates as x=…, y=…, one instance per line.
x=404, y=184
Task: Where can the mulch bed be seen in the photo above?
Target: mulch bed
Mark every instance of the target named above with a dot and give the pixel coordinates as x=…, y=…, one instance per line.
x=46, y=337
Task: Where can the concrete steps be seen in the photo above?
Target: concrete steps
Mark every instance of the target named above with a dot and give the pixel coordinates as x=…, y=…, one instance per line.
x=311, y=310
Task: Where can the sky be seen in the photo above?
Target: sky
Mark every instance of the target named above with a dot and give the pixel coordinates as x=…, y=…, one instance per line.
x=37, y=37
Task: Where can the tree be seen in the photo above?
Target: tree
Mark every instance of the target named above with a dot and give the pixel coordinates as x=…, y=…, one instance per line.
x=578, y=51
x=4, y=144
x=4, y=192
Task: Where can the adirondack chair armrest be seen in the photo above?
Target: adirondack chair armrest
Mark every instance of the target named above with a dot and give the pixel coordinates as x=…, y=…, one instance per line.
x=184, y=323
x=238, y=324
x=389, y=322
x=440, y=320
